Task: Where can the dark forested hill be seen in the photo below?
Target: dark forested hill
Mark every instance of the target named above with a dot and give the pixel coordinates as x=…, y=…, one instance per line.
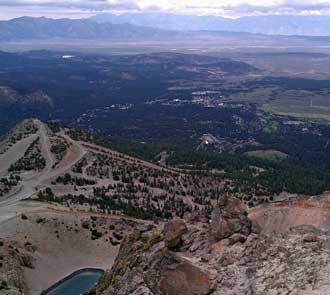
x=66, y=85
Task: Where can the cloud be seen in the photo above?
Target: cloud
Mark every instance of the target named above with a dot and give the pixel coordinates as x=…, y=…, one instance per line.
x=72, y=4
x=251, y=7
x=282, y=7
x=63, y=8
x=76, y=8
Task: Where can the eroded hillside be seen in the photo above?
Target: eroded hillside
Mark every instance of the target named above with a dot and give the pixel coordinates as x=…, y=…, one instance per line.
x=229, y=256
x=68, y=203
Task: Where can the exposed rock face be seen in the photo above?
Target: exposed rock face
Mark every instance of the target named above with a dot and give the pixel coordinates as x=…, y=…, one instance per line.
x=150, y=267
x=235, y=261
x=173, y=232
x=13, y=260
x=295, y=211
x=229, y=218
x=185, y=279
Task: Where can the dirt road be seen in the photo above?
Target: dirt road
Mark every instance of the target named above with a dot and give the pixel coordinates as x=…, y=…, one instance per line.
x=11, y=205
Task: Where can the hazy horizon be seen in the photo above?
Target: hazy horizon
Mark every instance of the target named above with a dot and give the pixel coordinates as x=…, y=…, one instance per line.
x=228, y=9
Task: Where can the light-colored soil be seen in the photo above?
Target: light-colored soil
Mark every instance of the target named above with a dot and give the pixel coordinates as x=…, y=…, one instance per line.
x=62, y=245
x=129, y=159
x=14, y=153
x=280, y=217
x=73, y=155
x=10, y=206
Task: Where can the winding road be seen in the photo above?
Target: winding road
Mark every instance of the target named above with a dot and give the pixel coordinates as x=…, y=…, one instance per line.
x=12, y=206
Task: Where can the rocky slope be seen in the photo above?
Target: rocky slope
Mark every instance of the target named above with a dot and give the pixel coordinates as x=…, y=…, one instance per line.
x=66, y=215
x=229, y=256
x=13, y=259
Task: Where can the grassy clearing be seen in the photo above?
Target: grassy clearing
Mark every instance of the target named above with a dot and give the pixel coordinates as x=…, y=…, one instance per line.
x=258, y=96
x=300, y=112
x=301, y=104
x=269, y=125
x=269, y=155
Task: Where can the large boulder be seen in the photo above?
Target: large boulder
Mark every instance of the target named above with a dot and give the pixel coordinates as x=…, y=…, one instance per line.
x=229, y=218
x=184, y=279
x=146, y=266
x=173, y=232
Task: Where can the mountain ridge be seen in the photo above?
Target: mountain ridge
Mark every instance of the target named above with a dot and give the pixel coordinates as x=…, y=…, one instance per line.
x=47, y=28
x=126, y=28
x=270, y=25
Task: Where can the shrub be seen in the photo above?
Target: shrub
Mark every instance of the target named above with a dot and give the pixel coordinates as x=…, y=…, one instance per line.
x=3, y=285
x=85, y=224
x=113, y=242
x=40, y=220
x=96, y=234
x=117, y=236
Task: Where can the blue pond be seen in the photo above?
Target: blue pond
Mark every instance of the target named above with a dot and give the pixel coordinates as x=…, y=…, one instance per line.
x=75, y=284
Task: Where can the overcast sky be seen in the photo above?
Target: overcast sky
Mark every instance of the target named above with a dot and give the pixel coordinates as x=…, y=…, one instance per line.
x=229, y=8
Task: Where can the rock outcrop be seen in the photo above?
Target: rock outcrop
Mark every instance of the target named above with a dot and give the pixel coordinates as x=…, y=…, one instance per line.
x=226, y=257
x=13, y=260
x=229, y=218
x=173, y=232
x=184, y=279
x=147, y=262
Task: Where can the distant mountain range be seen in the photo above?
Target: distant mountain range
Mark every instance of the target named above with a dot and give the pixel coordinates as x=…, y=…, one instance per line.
x=272, y=25
x=45, y=28
x=164, y=27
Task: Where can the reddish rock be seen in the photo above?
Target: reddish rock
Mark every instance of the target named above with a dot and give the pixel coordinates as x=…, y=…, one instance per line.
x=228, y=218
x=219, y=248
x=185, y=279
x=173, y=232
x=235, y=238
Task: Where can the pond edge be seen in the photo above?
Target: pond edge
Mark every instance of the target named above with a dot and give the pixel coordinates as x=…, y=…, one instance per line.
x=77, y=272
